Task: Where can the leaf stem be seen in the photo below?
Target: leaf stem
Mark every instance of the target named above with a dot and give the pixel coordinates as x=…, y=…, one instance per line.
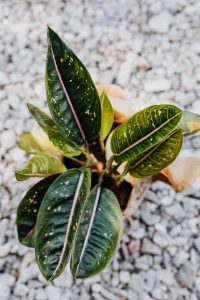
x=109, y=163
x=102, y=146
x=76, y=160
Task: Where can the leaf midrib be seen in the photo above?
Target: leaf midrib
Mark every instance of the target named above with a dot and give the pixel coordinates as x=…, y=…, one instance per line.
x=67, y=96
x=152, y=150
x=146, y=136
x=74, y=202
x=98, y=193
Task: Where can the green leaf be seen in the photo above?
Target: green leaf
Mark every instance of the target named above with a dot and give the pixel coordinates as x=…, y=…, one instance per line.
x=158, y=158
x=28, y=143
x=143, y=131
x=73, y=225
x=72, y=96
x=40, y=165
x=36, y=141
x=58, y=219
x=190, y=123
x=28, y=210
x=98, y=234
x=52, y=131
x=107, y=116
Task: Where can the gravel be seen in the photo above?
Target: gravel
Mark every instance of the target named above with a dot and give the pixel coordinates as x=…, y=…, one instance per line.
x=151, y=49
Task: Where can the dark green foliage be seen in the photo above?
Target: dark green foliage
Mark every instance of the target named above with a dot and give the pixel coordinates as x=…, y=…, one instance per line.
x=70, y=217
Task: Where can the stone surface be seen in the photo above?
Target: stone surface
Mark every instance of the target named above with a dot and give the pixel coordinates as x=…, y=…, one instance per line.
x=160, y=22
x=151, y=48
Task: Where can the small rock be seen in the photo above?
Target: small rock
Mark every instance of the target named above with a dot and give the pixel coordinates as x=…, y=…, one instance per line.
x=65, y=280
x=133, y=246
x=98, y=288
x=41, y=295
x=124, y=276
x=150, y=248
x=21, y=290
x=149, y=219
x=166, y=200
x=136, y=282
x=180, y=258
x=53, y=292
x=166, y=276
x=172, y=250
x=138, y=233
x=126, y=69
x=7, y=139
x=4, y=249
x=138, y=44
x=185, y=275
x=16, y=154
x=143, y=262
x=3, y=78
x=154, y=86
x=197, y=244
x=176, y=211
x=160, y=240
x=176, y=230
x=161, y=22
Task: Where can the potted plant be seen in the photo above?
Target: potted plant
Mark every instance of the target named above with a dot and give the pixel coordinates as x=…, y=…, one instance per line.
x=74, y=214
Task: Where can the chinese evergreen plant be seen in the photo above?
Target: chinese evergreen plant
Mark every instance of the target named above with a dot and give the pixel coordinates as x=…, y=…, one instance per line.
x=71, y=215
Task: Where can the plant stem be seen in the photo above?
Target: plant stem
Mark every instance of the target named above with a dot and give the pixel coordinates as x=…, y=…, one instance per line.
x=109, y=163
x=102, y=146
x=76, y=160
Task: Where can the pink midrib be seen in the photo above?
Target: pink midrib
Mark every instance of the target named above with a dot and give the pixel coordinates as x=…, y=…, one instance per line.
x=67, y=97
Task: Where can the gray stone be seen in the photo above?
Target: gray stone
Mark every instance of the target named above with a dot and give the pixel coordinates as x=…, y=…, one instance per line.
x=41, y=295
x=149, y=219
x=4, y=249
x=149, y=248
x=186, y=275
x=136, y=282
x=180, y=258
x=53, y=292
x=7, y=139
x=161, y=22
x=124, y=276
x=197, y=244
x=176, y=211
x=160, y=240
x=157, y=85
x=143, y=262
x=3, y=78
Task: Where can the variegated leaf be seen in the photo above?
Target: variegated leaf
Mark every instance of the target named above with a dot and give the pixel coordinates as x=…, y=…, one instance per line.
x=158, y=158
x=143, y=131
x=49, y=127
x=98, y=234
x=28, y=210
x=72, y=96
x=40, y=165
x=58, y=220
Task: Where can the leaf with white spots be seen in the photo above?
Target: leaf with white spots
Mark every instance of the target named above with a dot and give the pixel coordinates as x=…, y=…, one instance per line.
x=155, y=160
x=190, y=123
x=71, y=94
x=98, y=234
x=58, y=220
x=40, y=165
x=143, y=131
x=107, y=116
x=50, y=128
x=28, y=210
